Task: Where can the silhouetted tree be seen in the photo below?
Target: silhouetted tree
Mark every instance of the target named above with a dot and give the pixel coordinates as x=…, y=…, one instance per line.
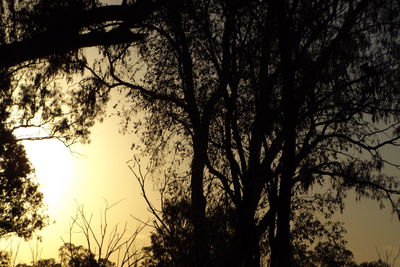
x=317, y=240
x=39, y=42
x=76, y=256
x=378, y=263
x=268, y=98
x=33, y=30
x=103, y=240
x=172, y=225
x=47, y=263
x=20, y=200
x=169, y=241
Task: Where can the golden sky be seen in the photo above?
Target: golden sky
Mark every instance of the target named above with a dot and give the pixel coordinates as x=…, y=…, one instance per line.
x=98, y=172
x=89, y=175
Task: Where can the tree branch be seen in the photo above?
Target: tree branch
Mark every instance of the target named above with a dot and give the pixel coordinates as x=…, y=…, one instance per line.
x=64, y=32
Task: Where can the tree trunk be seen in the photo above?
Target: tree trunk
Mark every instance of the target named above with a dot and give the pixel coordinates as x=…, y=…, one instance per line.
x=248, y=239
x=246, y=250
x=199, y=246
x=281, y=255
x=282, y=247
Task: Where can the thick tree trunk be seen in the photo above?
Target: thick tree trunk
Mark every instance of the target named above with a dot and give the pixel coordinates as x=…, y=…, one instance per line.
x=247, y=243
x=199, y=246
x=281, y=255
x=282, y=245
x=282, y=252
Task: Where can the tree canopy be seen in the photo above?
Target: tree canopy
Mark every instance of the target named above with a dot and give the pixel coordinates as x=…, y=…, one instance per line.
x=39, y=44
x=256, y=102
x=20, y=200
x=270, y=99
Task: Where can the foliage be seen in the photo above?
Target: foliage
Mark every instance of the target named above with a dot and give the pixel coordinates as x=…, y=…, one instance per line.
x=378, y=263
x=21, y=207
x=40, y=57
x=76, y=256
x=326, y=254
x=34, y=94
x=5, y=259
x=32, y=97
x=262, y=99
x=169, y=241
x=316, y=239
x=47, y=263
x=269, y=99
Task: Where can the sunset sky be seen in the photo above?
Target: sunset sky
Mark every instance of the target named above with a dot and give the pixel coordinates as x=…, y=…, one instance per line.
x=94, y=173
x=98, y=172
x=87, y=175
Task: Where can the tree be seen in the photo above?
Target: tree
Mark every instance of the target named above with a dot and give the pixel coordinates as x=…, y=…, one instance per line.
x=171, y=236
x=377, y=263
x=34, y=30
x=47, y=263
x=269, y=98
x=103, y=241
x=76, y=256
x=39, y=43
x=316, y=240
x=20, y=200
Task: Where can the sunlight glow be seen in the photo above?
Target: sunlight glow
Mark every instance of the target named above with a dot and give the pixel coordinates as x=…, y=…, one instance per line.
x=52, y=162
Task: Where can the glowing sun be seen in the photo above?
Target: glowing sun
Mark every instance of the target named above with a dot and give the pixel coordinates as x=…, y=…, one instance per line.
x=52, y=162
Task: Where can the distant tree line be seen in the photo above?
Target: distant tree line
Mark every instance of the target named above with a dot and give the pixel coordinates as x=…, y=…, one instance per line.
x=314, y=243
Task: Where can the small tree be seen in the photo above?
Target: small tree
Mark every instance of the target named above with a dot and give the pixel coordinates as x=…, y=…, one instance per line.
x=76, y=256
x=103, y=242
x=47, y=263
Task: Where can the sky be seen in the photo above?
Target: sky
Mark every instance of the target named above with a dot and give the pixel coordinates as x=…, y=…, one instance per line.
x=90, y=176
x=94, y=174
x=97, y=172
